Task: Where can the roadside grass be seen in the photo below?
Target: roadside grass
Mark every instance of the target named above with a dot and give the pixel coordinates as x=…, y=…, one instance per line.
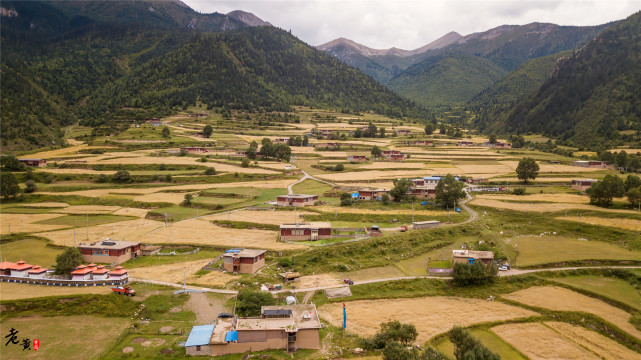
x=311, y=187
x=144, y=261
x=81, y=220
x=62, y=337
x=616, y=289
x=32, y=251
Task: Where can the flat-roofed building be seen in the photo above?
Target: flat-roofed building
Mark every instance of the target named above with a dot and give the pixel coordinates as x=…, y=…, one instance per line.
x=471, y=256
x=244, y=261
x=357, y=158
x=595, y=164
x=430, y=224
x=297, y=200
x=34, y=162
x=306, y=231
x=110, y=251
x=583, y=184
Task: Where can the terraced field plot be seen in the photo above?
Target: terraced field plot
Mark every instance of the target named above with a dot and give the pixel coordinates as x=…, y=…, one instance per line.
x=430, y=315
x=609, y=287
x=173, y=273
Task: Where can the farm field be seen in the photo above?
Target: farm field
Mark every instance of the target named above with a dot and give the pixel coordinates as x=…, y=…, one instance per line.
x=173, y=273
x=539, y=342
x=609, y=287
x=487, y=338
x=542, y=207
x=430, y=315
x=260, y=217
x=548, y=249
x=27, y=222
x=13, y=291
x=561, y=299
x=32, y=251
x=593, y=341
x=619, y=223
x=62, y=337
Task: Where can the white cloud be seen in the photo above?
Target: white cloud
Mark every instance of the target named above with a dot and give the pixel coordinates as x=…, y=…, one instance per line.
x=409, y=24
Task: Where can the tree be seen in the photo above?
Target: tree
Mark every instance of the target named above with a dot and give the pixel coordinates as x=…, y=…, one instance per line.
x=28, y=175
x=376, y=151
x=527, y=169
x=121, y=177
x=385, y=199
x=346, y=199
x=466, y=347
x=602, y=192
x=305, y=140
x=473, y=274
x=249, y=302
x=267, y=148
x=632, y=181
x=251, y=152
x=166, y=133
x=207, y=131
x=187, y=200
x=30, y=186
x=634, y=196
x=210, y=171
x=395, y=351
x=449, y=191
x=282, y=152
x=68, y=261
x=11, y=163
x=381, y=132
x=244, y=163
x=8, y=185
x=371, y=130
x=399, y=191
x=339, y=167
x=358, y=133
x=429, y=128
x=492, y=139
x=102, y=178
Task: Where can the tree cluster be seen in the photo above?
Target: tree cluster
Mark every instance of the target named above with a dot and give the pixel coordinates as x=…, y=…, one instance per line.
x=474, y=274
x=250, y=302
x=278, y=151
x=449, y=191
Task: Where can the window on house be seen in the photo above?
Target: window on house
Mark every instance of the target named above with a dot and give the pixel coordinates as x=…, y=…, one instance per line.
x=198, y=348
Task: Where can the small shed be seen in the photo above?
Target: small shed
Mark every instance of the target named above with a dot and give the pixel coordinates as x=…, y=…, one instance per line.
x=198, y=340
x=430, y=224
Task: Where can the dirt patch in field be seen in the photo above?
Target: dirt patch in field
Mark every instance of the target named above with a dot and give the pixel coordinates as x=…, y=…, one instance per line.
x=430, y=315
x=538, y=342
x=141, y=213
x=593, y=341
x=205, y=308
x=561, y=299
x=46, y=205
x=312, y=281
x=166, y=329
x=621, y=223
x=127, y=350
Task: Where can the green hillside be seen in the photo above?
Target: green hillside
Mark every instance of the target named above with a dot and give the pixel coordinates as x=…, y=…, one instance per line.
x=520, y=82
x=447, y=80
x=593, y=96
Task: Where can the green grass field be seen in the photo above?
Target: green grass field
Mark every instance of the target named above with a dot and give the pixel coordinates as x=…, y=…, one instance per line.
x=27, y=210
x=487, y=338
x=609, y=287
x=311, y=187
x=81, y=220
x=32, y=251
x=143, y=261
x=178, y=213
x=555, y=249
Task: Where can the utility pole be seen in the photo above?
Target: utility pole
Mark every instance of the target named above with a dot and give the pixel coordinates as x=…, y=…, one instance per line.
x=21, y=224
x=87, y=227
x=74, y=237
x=412, y=212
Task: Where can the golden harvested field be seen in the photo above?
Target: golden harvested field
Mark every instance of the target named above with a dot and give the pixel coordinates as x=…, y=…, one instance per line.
x=621, y=223
x=539, y=179
x=25, y=222
x=202, y=232
x=182, y=160
x=141, y=213
x=560, y=198
x=375, y=174
x=561, y=299
x=63, y=337
x=261, y=217
x=12, y=291
x=552, y=168
x=344, y=210
x=431, y=315
x=46, y=204
x=311, y=281
x=388, y=165
x=593, y=341
x=170, y=197
x=142, y=191
x=77, y=171
x=483, y=169
x=275, y=166
x=64, y=151
x=538, y=342
x=88, y=209
x=541, y=207
x=129, y=230
x=374, y=185
x=173, y=273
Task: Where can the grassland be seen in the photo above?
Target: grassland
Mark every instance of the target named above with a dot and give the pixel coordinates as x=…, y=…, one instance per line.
x=311, y=187
x=13, y=291
x=32, y=251
x=80, y=220
x=487, y=338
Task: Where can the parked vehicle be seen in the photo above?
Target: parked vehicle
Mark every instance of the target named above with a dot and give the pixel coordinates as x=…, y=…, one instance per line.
x=403, y=228
x=124, y=290
x=225, y=315
x=348, y=282
x=503, y=268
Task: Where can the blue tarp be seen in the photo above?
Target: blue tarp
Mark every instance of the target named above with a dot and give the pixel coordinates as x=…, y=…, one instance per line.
x=200, y=335
x=233, y=251
x=355, y=195
x=231, y=336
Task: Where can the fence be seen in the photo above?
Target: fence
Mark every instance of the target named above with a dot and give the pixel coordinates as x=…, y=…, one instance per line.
x=173, y=253
x=60, y=282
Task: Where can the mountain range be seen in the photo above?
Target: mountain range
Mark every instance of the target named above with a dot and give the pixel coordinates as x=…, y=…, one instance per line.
x=466, y=65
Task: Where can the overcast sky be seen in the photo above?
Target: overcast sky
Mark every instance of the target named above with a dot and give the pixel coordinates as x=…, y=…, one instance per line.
x=409, y=24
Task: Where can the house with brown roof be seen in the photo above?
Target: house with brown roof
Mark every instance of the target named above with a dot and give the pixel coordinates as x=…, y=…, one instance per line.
x=110, y=251
x=357, y=158
x=306, y=231
x=471, y=256
x=244, y=261
x=583, y=184
x=34, y=162
x=296, y=200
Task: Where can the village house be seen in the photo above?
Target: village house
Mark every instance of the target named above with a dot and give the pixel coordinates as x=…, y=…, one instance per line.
x=34, y=162
x=83, y=275
x=422, y=192
x=328, y=146
x=193, y=149
x=470, y=256
x=154, y=121
x=464, y=143
x=502, y=145
x=368, y=194
x=393, y=155
x=244, y=261
x=297, y=200
x=110, y=251
x=596, y=164
x=357, y=158
x=430, y=224
x=403, y=132
x=306, y=231
x=149, y=250
x=431, y=180
x=283, y=140
x=582, y=184
x=287, y=327
x=424, y=143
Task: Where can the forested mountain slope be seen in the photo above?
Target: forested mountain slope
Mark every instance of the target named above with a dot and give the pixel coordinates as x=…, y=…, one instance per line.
x=592, y=95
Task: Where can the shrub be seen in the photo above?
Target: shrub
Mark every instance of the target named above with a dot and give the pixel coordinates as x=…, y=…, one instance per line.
x=285, y=262
x=519, y=191
x=210, y=171
x=121, y=177
x=249, y=302
x=30, y=186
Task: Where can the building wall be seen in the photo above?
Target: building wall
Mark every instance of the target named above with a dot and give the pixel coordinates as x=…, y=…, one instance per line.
x=426, y=226
x=581, y=187
x=267, y=340
x=308, y=339
x=204, y=350
x=245, y=268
